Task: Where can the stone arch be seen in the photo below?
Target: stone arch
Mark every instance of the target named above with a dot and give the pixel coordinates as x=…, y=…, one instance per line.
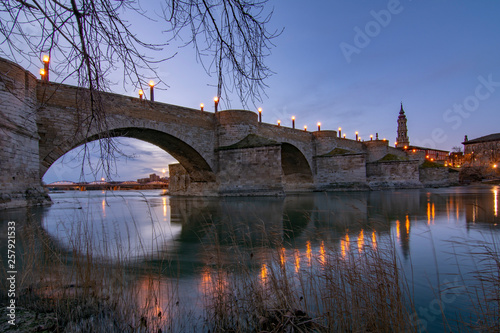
x=195, y=164
x=296, y=169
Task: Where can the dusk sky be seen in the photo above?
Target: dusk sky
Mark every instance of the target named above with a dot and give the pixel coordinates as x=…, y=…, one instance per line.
x=350, y=64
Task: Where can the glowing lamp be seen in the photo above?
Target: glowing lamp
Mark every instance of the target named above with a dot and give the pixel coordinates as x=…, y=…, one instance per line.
x=216, y=102
x=46, y=60
x=305, y=128
x=260, y=115
x=319, y=126
x=293, y=121
x=279, y=123
x=141, y=93
x=202, y=106
x=151, y=90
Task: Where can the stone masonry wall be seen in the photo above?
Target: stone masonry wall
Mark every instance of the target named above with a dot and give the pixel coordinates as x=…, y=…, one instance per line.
x=435, y=177
x=251, y=171
x=180, y=183
x=340, y=171
x=19, y=174
x=393, y=174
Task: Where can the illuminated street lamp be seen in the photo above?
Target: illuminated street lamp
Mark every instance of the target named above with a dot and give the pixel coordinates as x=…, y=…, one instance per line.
x=260, y=115
x=202, y=106
x=340, y=132
x=42, y=75
x=371, y=137
x=216, y=102
x=46, y=60
x=305, y=128
x=319, y=126
x=293, y=121
x=279, y=123
x=141, y=94
x=152, y=91
x=356, y=135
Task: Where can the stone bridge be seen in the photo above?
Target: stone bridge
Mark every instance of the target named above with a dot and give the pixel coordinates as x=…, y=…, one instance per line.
x=225, y=153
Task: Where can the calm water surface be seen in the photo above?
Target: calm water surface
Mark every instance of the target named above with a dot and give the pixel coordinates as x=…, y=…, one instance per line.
x=435, y=232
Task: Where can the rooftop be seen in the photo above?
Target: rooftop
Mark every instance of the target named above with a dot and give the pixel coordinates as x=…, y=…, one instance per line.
x=491, y=137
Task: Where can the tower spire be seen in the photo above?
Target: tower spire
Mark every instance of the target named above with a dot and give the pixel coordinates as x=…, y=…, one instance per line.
x=402, y=139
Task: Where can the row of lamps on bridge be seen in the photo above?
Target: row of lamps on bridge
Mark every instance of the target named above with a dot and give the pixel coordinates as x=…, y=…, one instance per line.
x=44, y=74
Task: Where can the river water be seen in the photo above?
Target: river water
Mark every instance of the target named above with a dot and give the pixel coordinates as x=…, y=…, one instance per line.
x=439, y=235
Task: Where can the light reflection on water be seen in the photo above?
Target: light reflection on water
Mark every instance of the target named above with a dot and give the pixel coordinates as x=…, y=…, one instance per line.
x=430, y=229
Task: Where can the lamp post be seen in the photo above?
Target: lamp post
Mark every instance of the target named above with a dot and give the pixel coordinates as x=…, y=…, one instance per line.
x=305, y=128
x=279, y=123
x=201, y=107
x=141, y=94
x=42, y=75
x=152, y=91
x=46, y=60
x=216, y=102
x=356, y=135
x=371, y=137
x=260, y=115
x=340, y=132
x=293, y=121
x=319, y=126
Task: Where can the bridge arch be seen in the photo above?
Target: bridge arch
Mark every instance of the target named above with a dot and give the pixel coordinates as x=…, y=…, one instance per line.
x=296, y=168
x=195, y=164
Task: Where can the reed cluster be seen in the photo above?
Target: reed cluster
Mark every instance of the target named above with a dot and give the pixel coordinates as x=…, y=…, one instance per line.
x=246, y=285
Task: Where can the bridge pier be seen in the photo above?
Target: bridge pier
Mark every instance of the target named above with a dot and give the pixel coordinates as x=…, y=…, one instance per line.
x=20, y=183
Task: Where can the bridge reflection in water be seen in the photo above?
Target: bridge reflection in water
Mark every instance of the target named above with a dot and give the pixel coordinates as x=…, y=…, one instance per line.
x=189, y=239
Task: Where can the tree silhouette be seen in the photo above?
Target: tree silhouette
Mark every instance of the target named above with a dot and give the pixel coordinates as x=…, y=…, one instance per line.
x=87, y=40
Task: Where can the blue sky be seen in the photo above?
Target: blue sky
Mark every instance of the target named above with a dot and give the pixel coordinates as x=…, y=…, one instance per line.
x=350, y=64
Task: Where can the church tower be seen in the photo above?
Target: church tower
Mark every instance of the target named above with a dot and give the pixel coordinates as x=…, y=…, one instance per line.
x=402, y=140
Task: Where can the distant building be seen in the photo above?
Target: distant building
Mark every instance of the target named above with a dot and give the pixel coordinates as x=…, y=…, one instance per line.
x=403, y=142
x=152, y=178
x=483, y=151
x=456, y=159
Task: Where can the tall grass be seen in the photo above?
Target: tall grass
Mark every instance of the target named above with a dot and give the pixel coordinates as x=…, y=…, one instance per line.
x=248, y=284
